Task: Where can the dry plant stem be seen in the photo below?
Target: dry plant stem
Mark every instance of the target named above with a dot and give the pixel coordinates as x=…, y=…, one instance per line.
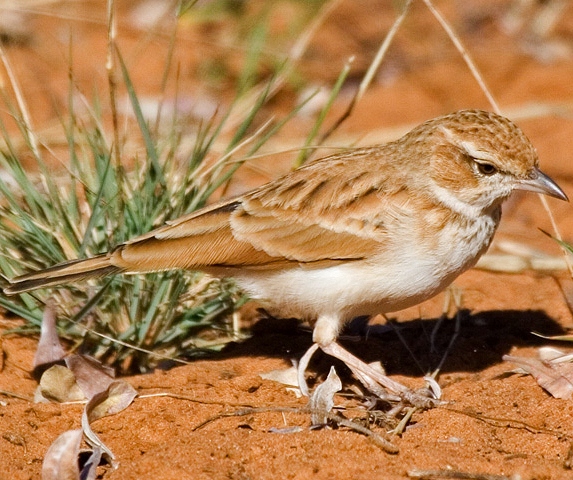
x=454, y=337
x=372, y=69
x=567, y=297
x=404, y=342
x=21, y=102
x=216, y=168
x=298, y=49
x=129, y=345
x=166, y=72
x=16, y=395
x=511, y=423
x=441, y=319
x=456, y=295
x=135, y=347
x=557, y=234
x=453, y=474
x=401, y=427
x=465, y=55
x=111, y=77
x=250, y=411
x=296, y=53
x=198, y=400
x=156, y=29
x=481, y=82
x=378, y=440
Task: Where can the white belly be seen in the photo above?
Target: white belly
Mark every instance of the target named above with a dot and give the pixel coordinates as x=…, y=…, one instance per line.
x=389, y=282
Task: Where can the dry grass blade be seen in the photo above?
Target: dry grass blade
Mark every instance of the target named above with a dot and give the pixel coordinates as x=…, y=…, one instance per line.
x=371, y=72
x=557, y=234
x=464, y=53
x=27, y=123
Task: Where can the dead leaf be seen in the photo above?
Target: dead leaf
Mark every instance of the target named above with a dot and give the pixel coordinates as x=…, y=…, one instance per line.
x=433, y=387
x=59, y=385
x=83, y=378
x=286, y=376
x=554, y=376
x=322, y=399
x=49, y=348
x=89, y=470
x=61, y=460
x=91, y=376
x=117, y=397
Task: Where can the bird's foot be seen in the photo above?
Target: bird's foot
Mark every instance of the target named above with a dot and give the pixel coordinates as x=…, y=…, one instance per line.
x=376, y=382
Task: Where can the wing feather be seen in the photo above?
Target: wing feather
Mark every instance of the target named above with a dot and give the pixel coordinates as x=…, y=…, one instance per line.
x=322, y=212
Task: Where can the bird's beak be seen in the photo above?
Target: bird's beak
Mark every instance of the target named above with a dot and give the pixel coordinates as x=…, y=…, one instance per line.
x=540, y=183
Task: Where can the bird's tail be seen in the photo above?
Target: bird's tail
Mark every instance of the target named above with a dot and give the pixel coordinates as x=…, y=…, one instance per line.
x=98, y=266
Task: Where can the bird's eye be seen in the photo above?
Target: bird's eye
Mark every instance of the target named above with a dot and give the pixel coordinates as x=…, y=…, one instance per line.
x=486, y=168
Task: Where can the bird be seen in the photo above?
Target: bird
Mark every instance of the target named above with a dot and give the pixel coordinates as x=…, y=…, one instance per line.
x=365, y=231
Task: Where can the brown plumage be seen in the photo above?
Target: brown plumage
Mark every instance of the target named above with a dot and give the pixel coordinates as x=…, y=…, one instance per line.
x=366, y=231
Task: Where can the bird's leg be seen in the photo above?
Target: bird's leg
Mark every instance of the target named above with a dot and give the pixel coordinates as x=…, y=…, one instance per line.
x=324, y=336
x=301, y=368
x=325, y=331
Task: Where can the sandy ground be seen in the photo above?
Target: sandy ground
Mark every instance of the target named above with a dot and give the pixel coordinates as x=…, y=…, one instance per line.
x=491, y=424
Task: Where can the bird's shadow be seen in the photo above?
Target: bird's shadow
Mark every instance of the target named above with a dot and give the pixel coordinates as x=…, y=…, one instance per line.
x=411, y=348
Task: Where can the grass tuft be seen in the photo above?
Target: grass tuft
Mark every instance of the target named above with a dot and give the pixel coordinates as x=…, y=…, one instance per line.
x=52, y=211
